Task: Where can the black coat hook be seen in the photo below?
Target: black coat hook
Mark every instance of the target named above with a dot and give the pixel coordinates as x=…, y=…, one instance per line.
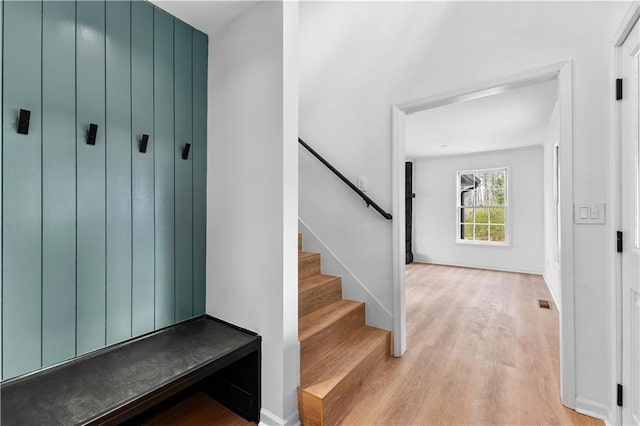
x=23, y=121
x=92, y=133
x=185, y=151
x=143, y=143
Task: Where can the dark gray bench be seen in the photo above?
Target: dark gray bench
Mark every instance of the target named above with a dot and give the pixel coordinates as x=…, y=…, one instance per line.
x=120, y=382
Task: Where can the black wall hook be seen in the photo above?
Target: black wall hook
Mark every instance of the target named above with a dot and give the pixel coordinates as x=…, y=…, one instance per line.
x=143, y=143
x=92, y=133
x=23, y=121
x=185, y=151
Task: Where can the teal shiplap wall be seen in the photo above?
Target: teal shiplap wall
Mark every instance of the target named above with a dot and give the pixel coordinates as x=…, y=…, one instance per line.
x=100, y=243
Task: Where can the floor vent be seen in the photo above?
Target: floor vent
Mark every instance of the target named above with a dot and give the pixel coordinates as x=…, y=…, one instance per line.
x=544, y=304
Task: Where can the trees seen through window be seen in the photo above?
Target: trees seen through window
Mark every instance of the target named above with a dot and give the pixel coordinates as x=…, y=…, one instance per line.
x=482, y=205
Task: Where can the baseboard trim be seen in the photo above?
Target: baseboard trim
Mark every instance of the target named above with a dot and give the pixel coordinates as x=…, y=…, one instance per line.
x=553, y=294
x=422, y=259
x=267, y=418
x=593, y=409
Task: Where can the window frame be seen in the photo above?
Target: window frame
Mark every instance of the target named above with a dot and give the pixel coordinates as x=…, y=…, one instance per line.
x=507, y=209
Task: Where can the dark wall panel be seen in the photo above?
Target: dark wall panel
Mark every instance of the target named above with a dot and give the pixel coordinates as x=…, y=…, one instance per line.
x=91, y=215
x=58, y=182
x=100, y=242
x=184, y=171
x=164, y=168
x=21, y=190
x=142, y=167
x=118, y=143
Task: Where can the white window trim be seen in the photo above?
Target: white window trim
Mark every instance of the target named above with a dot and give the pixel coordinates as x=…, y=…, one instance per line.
x=507, y=211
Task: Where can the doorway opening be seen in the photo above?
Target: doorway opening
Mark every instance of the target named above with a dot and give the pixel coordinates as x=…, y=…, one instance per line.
x=560, y=73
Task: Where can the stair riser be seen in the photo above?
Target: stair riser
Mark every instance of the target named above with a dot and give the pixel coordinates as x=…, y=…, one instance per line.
x=336, y=405
x=320, y=296
x=308, y=266
x=299, y=242
x=309, y=409
x=314, y=347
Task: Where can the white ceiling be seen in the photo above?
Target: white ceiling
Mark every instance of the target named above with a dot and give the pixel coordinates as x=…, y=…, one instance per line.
x=512, y=119
x=207, y=16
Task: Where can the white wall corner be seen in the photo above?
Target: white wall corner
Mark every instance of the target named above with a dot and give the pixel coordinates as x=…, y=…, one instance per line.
x=255, y=64
x=267, y=418
x=594, y=409
x=398, y=159
x=291, y=346
x=352, y=288
x=553, y=293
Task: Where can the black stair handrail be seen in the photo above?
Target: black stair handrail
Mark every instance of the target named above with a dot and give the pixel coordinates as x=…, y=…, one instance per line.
x=335, y=171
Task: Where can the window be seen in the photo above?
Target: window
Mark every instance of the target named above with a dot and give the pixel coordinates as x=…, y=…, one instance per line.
x=482, y=206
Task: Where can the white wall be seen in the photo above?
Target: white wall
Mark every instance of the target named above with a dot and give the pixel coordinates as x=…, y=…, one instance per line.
x=435, y=211
x=352, y=288
x=551, y=224
x=252, y=192
x=377, y=54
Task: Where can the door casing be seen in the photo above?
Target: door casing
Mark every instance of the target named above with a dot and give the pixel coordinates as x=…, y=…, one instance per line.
x=629, y=21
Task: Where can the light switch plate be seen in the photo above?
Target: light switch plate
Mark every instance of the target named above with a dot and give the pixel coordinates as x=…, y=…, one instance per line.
x=362, y=183
x=589, y=213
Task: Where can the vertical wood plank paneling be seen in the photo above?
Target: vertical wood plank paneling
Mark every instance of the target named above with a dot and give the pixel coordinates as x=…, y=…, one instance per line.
x=184, y=171
x=143, y=179
x=58, y=181
x=164, y=168
x=91, y=217
x=200, y=59
x=99, y=242
x=118, y=145
x=21, y=190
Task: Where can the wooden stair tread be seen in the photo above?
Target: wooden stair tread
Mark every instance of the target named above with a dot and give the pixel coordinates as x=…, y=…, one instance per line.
x=317, y=320
x=323, y=376
x=303, y=254
x=314, y=281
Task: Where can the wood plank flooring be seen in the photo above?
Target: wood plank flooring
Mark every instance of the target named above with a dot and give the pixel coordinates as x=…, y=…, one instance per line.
x=480, y=351
x=198, y=410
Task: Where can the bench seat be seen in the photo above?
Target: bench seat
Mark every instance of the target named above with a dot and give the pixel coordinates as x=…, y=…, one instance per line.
x=114, y=384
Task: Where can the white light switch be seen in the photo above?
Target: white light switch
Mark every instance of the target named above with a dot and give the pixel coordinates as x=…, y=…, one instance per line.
x=362, y=183
x=589, y=213
x=584, y=212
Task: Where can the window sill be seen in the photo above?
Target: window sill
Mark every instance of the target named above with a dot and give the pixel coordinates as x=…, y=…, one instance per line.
x=505, y=245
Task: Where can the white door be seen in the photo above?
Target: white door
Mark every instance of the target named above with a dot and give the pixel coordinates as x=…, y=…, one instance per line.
x=630, y=133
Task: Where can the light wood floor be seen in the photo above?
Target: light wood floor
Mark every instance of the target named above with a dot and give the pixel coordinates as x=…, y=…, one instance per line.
x=198, y=410
x=480, y=351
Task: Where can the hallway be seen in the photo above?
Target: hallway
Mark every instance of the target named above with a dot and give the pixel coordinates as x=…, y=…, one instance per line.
x=480, y=351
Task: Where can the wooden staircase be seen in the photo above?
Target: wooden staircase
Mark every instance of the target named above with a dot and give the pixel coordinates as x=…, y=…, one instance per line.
x=337, y=350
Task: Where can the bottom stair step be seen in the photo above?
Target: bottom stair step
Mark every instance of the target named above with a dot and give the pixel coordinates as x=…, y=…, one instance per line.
x=329, y=386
